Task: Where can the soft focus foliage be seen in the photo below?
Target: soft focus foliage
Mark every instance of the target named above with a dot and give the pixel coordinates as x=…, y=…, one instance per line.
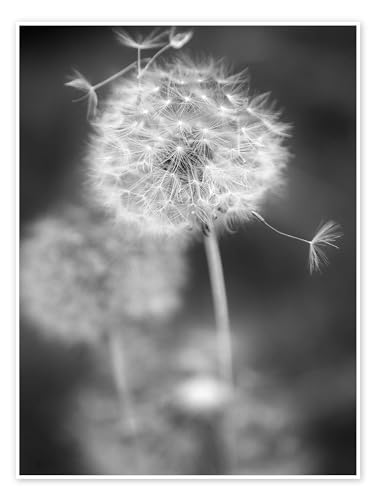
x=188, y=423
x=184, y=145
x=81, y=276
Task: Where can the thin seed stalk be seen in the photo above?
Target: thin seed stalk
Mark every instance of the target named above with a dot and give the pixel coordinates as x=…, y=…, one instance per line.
x=220, y=303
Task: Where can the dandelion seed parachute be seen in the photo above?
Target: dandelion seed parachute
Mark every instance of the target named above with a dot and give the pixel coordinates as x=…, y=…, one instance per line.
x=183, y=146
x=81, y=276
x=81, y=83
x=326, y=236
x=178, y=40
x=153, y=40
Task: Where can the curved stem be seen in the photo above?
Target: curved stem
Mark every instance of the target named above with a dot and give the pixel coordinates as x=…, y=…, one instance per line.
x=262, y=219
x=220, y=304
x=163, y=49
x=116, y=75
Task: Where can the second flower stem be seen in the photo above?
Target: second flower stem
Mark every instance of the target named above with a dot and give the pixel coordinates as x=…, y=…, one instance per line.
x=220, y=303
x=126, y=406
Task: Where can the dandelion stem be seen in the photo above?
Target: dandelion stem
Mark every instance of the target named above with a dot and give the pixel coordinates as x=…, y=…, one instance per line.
x=127, y=414
x=220, y=303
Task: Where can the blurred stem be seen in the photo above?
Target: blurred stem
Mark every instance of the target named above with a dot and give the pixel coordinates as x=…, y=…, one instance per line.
x=212, y=456
x=220, y=303
x=139, y=61
x=127, y=414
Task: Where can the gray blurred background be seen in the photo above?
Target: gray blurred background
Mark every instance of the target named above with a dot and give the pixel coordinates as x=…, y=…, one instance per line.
x=296, y=332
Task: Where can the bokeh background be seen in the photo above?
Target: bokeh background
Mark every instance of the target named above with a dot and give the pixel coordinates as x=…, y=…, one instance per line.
x=295, y=333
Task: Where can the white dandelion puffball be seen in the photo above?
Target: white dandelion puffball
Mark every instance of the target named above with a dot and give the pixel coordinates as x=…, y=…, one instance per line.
x=182, y=145
x=81, y=276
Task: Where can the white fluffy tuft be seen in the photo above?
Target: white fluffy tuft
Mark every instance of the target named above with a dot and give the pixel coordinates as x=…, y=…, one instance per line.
x=183, y=146
x=326, y=236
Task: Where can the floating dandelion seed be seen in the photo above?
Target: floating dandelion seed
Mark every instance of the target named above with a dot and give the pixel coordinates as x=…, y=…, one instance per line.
x=81, y=83
x=327, y=234
x=152, y=40
x=81, y=276
x=178, y=40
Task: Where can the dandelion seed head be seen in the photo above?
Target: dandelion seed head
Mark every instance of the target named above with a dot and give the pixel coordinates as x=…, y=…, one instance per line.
x=220, y=151
x=82, y=276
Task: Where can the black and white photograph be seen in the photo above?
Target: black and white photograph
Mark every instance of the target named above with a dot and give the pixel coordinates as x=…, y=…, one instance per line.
x=188, y=250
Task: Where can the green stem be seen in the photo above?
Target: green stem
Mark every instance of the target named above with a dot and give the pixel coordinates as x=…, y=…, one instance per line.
x=220, y=304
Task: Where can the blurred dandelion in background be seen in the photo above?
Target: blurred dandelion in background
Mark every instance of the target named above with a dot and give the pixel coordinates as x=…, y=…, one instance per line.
x=83, y=280
x=81, y=276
